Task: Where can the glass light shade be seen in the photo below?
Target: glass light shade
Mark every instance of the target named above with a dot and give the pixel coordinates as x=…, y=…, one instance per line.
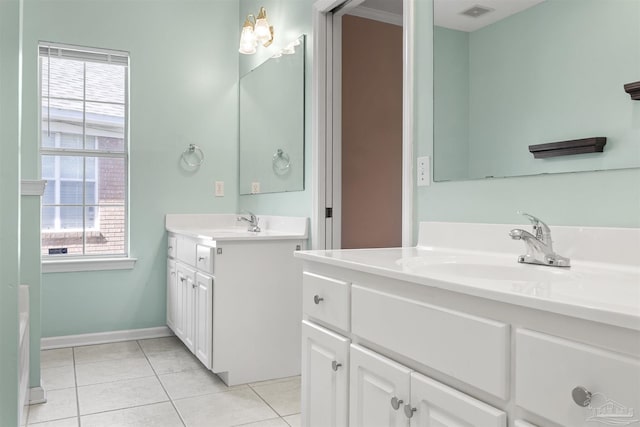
x=247, y=41
x=262, y=31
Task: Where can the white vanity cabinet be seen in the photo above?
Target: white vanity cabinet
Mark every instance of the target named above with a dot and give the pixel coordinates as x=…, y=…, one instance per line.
x=423, y=355
x=235, y=302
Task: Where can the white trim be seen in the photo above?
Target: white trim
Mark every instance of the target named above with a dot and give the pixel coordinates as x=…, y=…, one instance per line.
x=60, y=265
x=377, y=15
x=407, y=122
x=37, y=395
x=104, y=337
x=321, y=122
x=32, y=187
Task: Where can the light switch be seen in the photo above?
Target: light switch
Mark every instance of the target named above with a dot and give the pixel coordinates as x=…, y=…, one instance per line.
x=219, y=188
x=423, y=171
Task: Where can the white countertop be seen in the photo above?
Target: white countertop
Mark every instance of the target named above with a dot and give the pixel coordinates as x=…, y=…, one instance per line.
x=236, y=234
x=602, y=292
x=227, y=227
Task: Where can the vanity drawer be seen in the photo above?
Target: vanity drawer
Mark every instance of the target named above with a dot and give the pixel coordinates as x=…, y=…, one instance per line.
x=549, y=368
x=204, y=258
x=171, y=246
x=326, y=299
x=472, y=349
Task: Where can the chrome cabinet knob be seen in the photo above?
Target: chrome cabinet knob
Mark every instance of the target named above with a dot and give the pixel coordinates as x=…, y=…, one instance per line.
x=182, y=279
x=581, y=396
x=335, y=365
x=408, y=411
x=194, y=285
x=317, y=299
x=395, y=403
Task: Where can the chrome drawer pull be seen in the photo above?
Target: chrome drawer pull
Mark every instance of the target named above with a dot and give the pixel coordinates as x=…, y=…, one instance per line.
x=317, y=299
x=581, y=396
x=335, y=365
x=408, y=411
x=395, y=403
x=201, y=258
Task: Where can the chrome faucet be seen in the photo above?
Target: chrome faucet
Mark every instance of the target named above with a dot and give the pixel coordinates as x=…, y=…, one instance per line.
x=539, y=244
x=252, y=220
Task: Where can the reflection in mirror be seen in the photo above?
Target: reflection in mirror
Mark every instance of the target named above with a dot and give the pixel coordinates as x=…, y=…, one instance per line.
x=552, y=72
x=272, y=123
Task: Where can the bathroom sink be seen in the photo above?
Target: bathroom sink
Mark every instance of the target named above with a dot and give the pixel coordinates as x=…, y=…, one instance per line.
x=482, y=267
x=499, y=272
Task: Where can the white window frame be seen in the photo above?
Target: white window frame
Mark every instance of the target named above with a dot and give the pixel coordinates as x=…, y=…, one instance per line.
x=87, y=262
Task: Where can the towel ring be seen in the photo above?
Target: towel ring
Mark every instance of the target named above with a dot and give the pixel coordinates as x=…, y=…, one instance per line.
x=281, y=162
x=193, y=150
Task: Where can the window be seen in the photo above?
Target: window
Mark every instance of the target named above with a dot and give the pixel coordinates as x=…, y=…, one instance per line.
x=84, y=151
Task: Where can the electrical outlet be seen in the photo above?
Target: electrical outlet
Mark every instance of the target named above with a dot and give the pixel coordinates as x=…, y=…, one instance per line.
x=219, y=188
x=255, y=187
x=423, y=171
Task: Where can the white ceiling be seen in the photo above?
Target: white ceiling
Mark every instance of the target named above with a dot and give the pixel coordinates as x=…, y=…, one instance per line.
x=391, y=6
x=447, y=12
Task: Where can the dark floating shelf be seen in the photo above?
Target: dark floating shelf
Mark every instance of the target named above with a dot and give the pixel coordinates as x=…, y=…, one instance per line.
x=633, y=89
x=567, y=148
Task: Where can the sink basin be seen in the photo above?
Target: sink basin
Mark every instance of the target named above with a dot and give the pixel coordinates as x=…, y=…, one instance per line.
x=483, y=267
x=499, y=272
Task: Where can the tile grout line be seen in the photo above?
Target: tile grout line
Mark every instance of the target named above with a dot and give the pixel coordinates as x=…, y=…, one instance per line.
x=266, y=403
x=75, y=380
x=184, y=423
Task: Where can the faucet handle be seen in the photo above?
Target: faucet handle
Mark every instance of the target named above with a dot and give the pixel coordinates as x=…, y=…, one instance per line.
x=542, y=230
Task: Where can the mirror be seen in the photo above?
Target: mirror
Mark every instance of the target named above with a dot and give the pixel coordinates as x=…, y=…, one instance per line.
x=552, y=72
x=272, y=123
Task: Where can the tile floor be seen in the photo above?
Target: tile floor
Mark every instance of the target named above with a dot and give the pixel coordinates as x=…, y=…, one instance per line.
x=155, y=382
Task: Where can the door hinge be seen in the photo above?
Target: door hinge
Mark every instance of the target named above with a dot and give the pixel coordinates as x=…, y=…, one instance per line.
x=328, y=212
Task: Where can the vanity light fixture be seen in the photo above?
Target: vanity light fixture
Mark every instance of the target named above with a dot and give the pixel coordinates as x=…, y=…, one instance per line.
x=254, y=31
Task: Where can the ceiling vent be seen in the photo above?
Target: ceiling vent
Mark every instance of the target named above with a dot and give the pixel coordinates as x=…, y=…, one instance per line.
x=476, y=11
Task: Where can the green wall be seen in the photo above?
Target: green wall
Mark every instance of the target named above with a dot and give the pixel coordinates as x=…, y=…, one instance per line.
x=607, y=198
x=183, y=81
x=290, y=19
x=10, y=21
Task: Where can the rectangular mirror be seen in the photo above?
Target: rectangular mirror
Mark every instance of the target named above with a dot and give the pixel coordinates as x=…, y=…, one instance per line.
x=531, y=72
x=272, y=123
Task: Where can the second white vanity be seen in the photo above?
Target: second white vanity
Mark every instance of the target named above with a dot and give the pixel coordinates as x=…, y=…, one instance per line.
x=233, y=295
x=456, y=332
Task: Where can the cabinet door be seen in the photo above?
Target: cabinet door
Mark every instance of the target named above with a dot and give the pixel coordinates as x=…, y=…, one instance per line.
x=203, y=318
x=179, y=309
x=190, y=312
x=325, y=377
x=185, y=309
x=434, y=404
x=379, y=388
x=172, y=289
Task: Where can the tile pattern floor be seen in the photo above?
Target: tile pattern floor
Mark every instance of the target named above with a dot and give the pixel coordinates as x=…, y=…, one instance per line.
x=155, y=382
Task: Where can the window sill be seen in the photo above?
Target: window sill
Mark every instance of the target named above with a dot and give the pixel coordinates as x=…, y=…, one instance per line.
x=96, y=264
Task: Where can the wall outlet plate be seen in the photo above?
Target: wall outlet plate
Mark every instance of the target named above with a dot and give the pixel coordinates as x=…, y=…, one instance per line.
x=219, y=188
x=255, y=187
x=424, y=171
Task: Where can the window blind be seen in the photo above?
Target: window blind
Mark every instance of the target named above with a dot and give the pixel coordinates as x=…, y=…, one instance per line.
x=113, y=57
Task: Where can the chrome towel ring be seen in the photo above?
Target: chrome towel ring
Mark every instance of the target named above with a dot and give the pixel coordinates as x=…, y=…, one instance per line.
x=193, y=151
x=281, y=162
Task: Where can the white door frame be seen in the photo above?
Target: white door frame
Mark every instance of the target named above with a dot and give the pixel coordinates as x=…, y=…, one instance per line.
x=325, y=125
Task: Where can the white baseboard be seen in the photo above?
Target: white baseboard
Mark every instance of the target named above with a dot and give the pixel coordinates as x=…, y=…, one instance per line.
x=37, y=395
x=104, y=337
